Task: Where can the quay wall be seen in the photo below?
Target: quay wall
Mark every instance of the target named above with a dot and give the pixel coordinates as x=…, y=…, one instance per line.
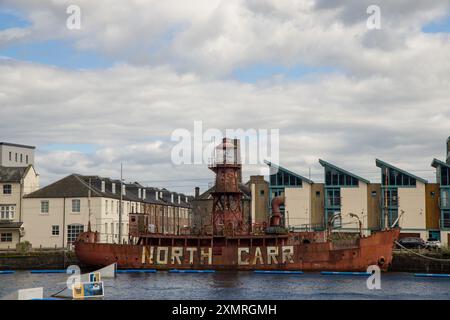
x=37, y=260
x=409, y=262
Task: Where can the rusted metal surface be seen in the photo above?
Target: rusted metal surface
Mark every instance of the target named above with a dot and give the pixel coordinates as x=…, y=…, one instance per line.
x=242, y=253
x=275, y=219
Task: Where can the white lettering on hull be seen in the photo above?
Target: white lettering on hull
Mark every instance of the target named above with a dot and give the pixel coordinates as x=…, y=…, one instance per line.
x=191, y=255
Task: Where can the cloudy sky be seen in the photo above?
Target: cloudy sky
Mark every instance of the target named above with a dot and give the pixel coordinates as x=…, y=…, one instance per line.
x=115, y=90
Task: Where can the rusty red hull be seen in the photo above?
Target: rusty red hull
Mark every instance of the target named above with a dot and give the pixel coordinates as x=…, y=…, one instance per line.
x=250, y=253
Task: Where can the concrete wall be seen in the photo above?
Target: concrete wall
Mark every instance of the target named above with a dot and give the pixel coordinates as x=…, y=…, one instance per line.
x=4, y=156
x=13, y=243
x=260, y=199
x=445, y=238
x=317, y=204
x=38, y=226
x=354, y=200
x=298, y=205
x=412, y=202
x=433, y=212
x=373, y=205
x=11, y=199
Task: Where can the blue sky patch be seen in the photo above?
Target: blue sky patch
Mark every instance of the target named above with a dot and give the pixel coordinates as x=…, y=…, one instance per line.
x=12, y=19
x=58, y=53
x=83, y=148
x=441, y=26
x=258, y=72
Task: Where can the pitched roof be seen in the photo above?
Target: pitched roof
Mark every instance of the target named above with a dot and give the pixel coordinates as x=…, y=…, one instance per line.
x=327, y=164
x=78, y=186
x=12, y=174
x=438, y=163
x=271, y=164
x=16, y=145
x=68, y=187
x=382, y=164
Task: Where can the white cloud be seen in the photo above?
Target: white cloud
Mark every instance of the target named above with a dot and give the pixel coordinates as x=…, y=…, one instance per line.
x=389, y=99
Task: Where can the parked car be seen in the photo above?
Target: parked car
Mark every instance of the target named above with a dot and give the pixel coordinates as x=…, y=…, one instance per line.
x=433, y=244
x=413, y=243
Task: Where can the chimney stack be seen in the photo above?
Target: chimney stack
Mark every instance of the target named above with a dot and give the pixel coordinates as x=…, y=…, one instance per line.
x=448, y=150
x=197, y=192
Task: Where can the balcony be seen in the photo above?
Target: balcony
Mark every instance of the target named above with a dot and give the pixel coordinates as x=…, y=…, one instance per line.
x=445, y=223
x=333, y=202
x=444, y=203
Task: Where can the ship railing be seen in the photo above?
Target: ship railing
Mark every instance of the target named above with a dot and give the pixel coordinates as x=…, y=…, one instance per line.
x=306, y=227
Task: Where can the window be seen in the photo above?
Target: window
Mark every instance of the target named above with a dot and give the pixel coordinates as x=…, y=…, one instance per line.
x=374, y=194
x=139, y=193
x=144, y=193
x=26, y=159
x=333, y=197
x=16, y=157
x=76, y=205
x=6, y=237
x=73, y=231
x=45, y=206
x=394, y=178
x=7, y=212
x=10, y=156
x=7, y=189
x=21, y=158
x=261, y=193
x=55, y=230
x=106, y=206
x=103, y=186
x=113, y=188
x=317, y=194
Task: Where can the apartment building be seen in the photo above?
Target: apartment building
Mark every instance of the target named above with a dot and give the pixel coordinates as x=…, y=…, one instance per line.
x=303, y=199
x=443, y=199
x=15, y=183
x=346, y=201
x=55, y=215
x=16, y=155
x=403, y=201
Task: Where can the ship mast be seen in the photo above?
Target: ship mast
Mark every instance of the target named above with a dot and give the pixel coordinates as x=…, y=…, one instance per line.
x=120, y=204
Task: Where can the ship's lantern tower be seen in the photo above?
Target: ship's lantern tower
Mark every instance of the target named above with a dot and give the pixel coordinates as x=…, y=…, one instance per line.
x=227, y=214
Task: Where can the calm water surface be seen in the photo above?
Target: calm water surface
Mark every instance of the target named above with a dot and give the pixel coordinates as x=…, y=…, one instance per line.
x=242, y=285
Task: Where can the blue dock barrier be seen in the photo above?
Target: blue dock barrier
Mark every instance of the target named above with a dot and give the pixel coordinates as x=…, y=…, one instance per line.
x=432, y=275
x=136, y=271
x=344, y=273
x=49, y=271
x=277, y=272
x=7, y=271
x=191, y=271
